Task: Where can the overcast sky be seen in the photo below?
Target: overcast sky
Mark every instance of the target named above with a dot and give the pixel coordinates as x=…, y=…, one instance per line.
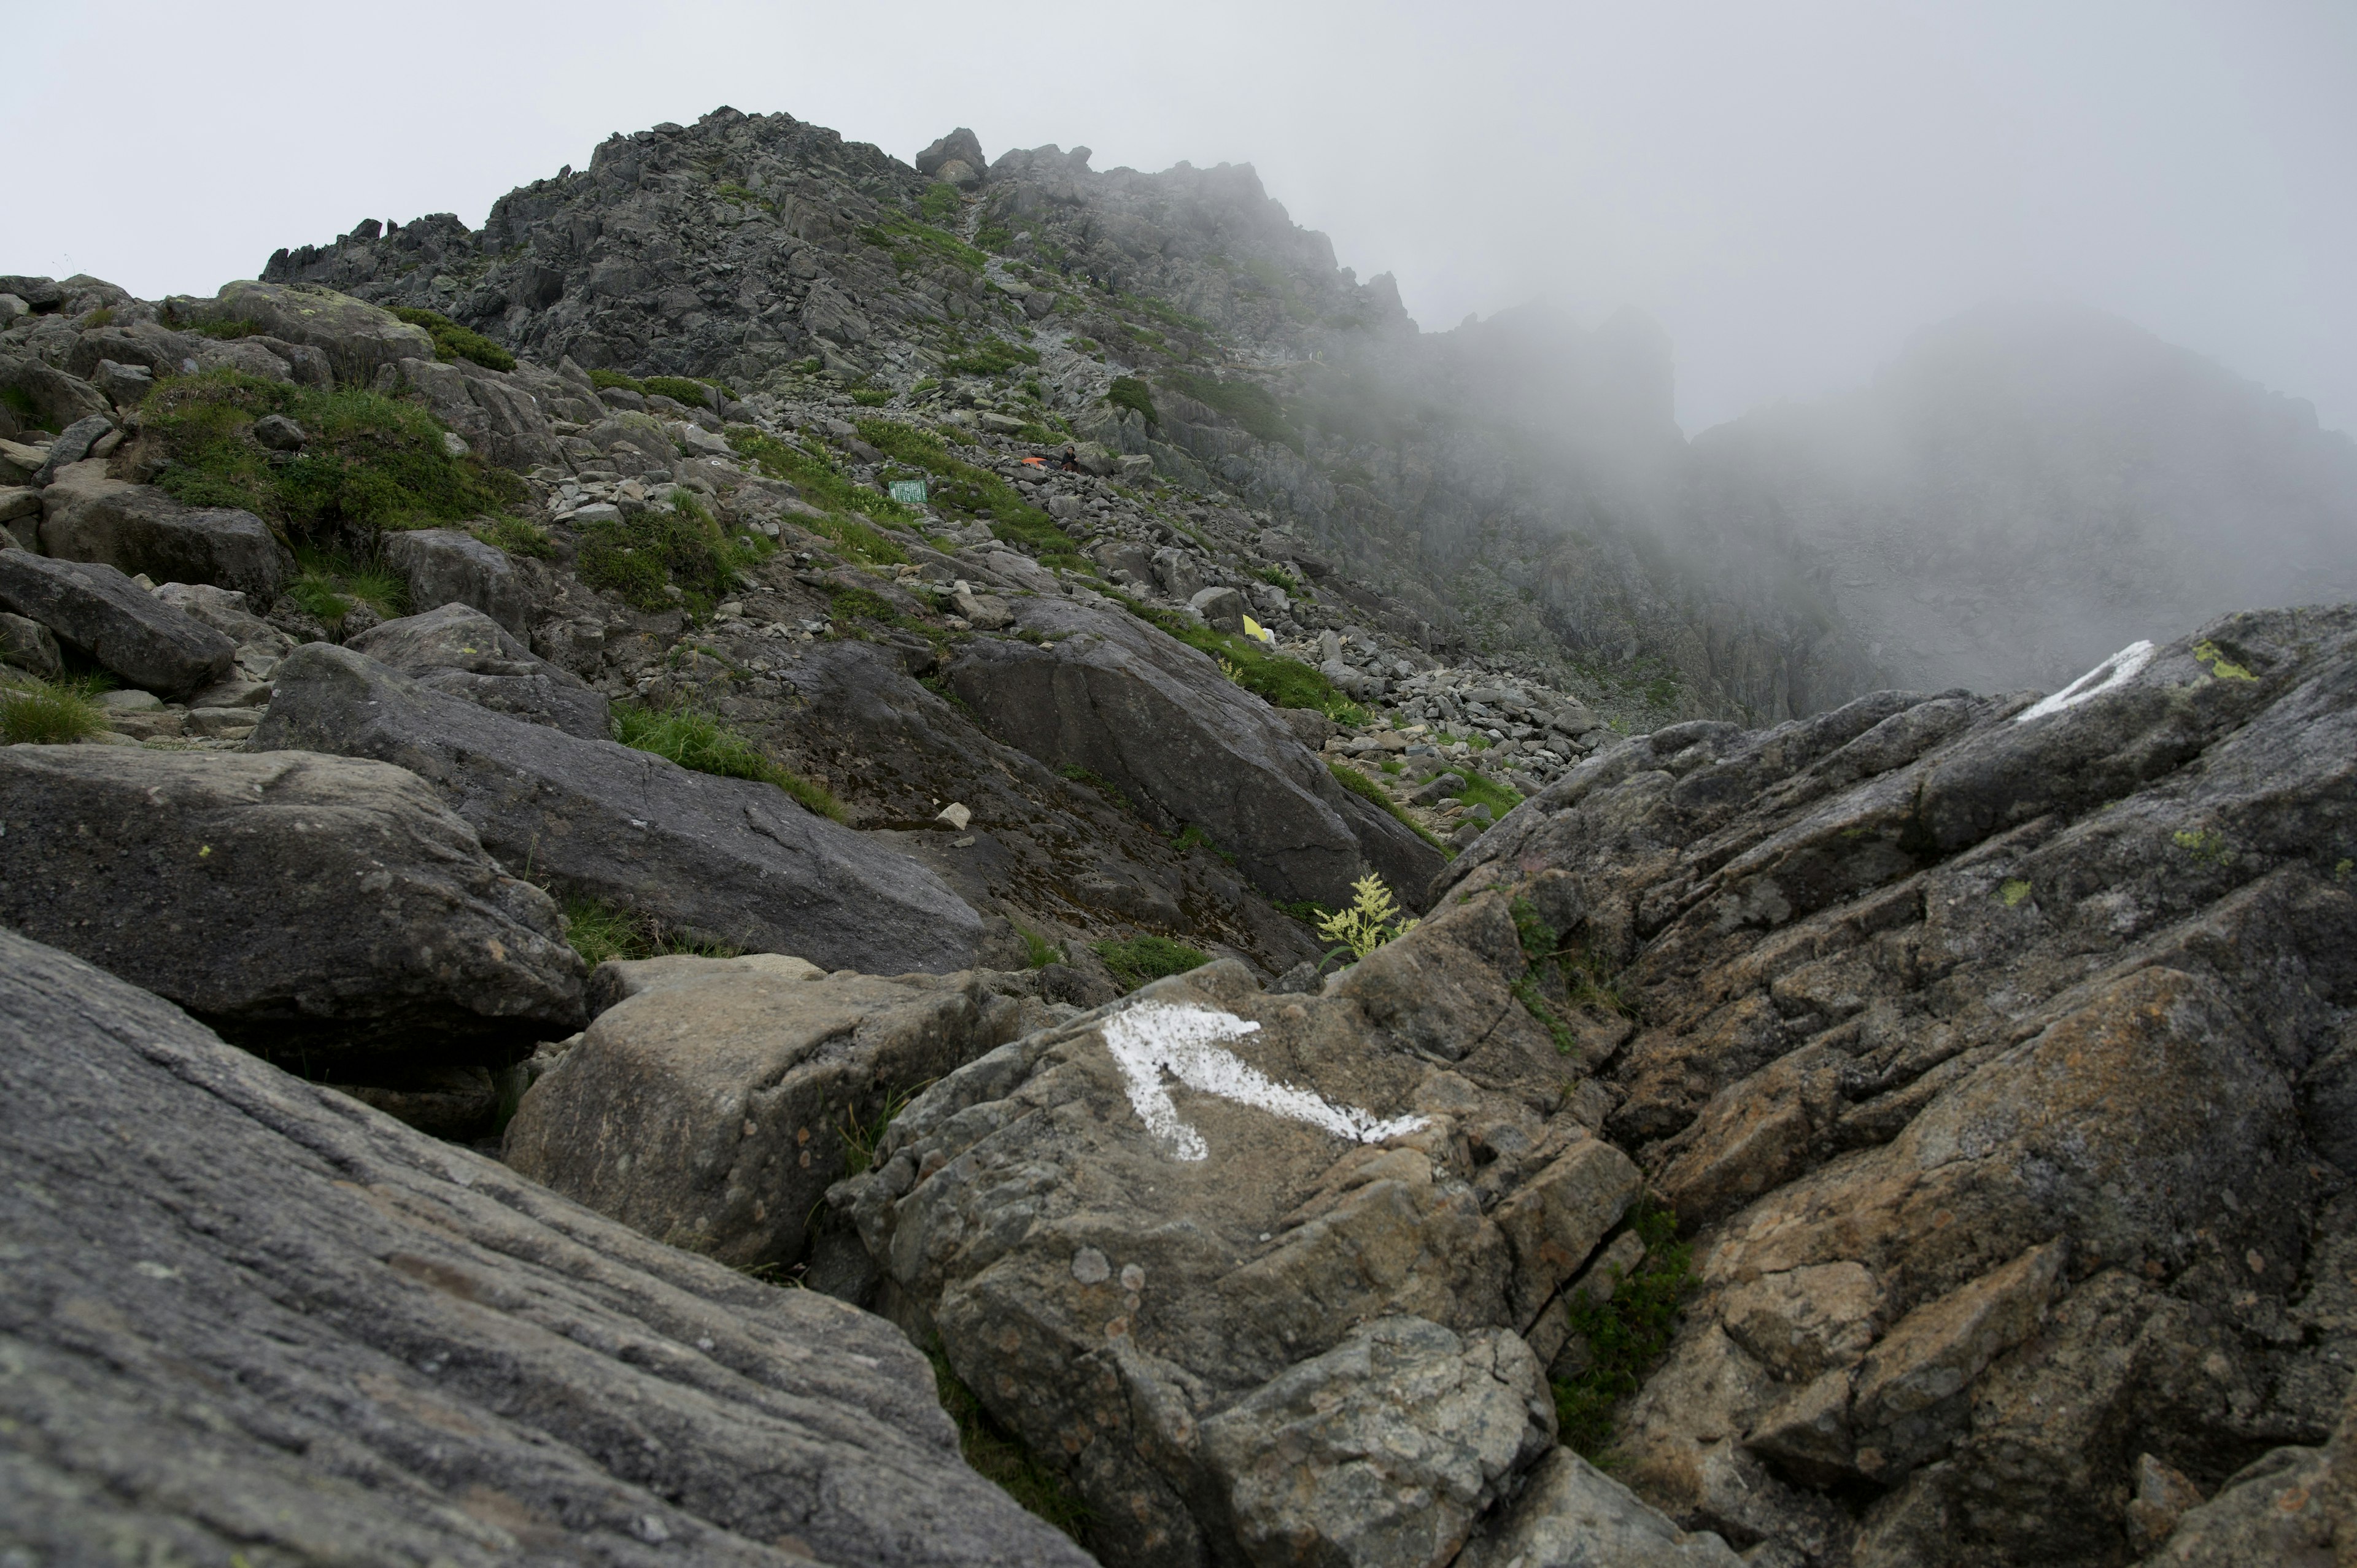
x=1790, y=188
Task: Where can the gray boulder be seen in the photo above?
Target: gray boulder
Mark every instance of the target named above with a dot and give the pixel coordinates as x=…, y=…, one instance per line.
x=73, y=445
x=356, y=337
x=249, y=1317
x=1253, y=1267
x=29, y=646
x=1219, y=606
x=460, y=651
x=960, y=145
x=712, y=1106
x=307, y=907
x=110, y=617
x=58, y=400
x=137, y=529
x=728, y=859
x=1573, y=1515
x=1157, y=718
x=450, y=566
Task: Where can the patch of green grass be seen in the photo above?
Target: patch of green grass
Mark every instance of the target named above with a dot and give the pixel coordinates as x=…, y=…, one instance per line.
x=1282, y=578
x=2208, y=847
x=223, y=330
x=995, y=237
x=330, y=585
x=999, y=1456
x=871, y=397
x=815, y=476
x=966, y=489
x=371, y=464
x=991, y=356
x=517, y=537
x=1481, y=791
x=1038, y=952
x=697, y=740
x=940, y=204
x=597, y=932
x=33, y=712
x=1279, y=682
x=1135, y=961
x=452, y=341
x=1358, y=784
x=602, y=379
x=856, y=540
x=1625, y=1334
x=1250, y=404
x=19, y=402
x=640, y=558
x=1098, y=782
x=859, y=1138
x=913, y=244
x=1526, y=991
x=1128, y=392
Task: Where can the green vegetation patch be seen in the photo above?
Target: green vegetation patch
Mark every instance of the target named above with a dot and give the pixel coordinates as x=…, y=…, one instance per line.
x=597, y=932
x=914, y=244
x=1483, y=792
x=1279, y=682
x=1358, y=784
x=1001, y=1457
x=33, y=712
x=640, y=558
x=1128, y=392
x=1142, y=958
x=1625, y=1333
x=940, y=204
x=517, y=537
x=1249, y=403
x=452, y=341
x=990, y=356
x=966, y=489
x=697, y=740
x=331, y=585
x=815, y=476
x=371, y=464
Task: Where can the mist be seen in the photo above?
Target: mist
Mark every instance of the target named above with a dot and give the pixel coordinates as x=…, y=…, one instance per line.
x=1789, y=195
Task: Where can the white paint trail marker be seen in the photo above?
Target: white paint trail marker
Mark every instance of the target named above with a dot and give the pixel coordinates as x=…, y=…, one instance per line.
x=2117, y=670
x=1182, y=1039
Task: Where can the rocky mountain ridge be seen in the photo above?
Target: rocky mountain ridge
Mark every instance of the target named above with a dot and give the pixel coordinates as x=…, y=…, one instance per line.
x=1916, y=1133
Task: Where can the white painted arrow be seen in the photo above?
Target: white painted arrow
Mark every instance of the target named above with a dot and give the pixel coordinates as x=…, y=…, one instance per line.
x=1182, y=1039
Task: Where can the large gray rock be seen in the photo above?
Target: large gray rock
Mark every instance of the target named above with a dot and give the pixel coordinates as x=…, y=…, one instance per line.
x=248, y=1318
x=1572, y=1515
x=1116, y=696
x=356, y=337
x=709, y=1108
x=460, y=651
x=107, y=615
x=1231, y=1257
x=58, y=400
x=29, y=646
x=311, y=908
x=450, y=566
x=137, y=529
x=729, y=859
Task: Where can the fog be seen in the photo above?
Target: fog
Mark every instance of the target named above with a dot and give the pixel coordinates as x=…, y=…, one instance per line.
x=1789, y=190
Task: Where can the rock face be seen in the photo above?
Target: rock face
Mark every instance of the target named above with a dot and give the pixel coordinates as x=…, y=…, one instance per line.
x=736, y=861
x=1238, y=1260
x=107, y=615
x=309, y=908
x=447, y=565
x=710, y=1107
x=1997, y=1049
x=137, y=529
x=462, y=653
x=357, y=338
x=1111, y=696
x=289, y=1328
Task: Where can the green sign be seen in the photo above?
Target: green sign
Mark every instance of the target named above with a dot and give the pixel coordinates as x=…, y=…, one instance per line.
x=910, y=491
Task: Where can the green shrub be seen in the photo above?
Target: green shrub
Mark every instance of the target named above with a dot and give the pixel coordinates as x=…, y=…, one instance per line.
x=1141, y=959
x=1000, y=1457
x=814, y=476
x=857, y=540
x=1039, y=951
x=1282, y=578
x=870, y=397
x=940, y=204
x=914, y=244
x=640, y=557
x=452, y=341
x=330, y=585
x=33, y=712
x=1625, y=1334
x=1358, y=784
x=995, y=237
x=1372, y=919
x=991, y=356
x=517, y=537
x=966, y=489
x=602, y=379
x=1128, y=392
x=1247, y=402
x=697, y=740
x=372, y=463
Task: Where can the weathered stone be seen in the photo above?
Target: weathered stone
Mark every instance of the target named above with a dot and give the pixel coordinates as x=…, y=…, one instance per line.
x=250, y=1317
x=105, y=615
x=2162, y=1496
x=302, y=905
x=1572, y=1515
x=73, y=444
x=461, y=651
x=711, y=1106
x=1802, y=1321
x=86, y=516
x=448, y=566
x=29, y=646
x=356, y=337
x=1556, y=1218
x=58, y=401
x=1222, y=608
x=731, y=859
x=1157, y=718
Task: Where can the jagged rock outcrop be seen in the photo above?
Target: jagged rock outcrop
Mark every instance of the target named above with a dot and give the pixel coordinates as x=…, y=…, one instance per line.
x=732, y=859
x=247, y=1317
x=312, y=908
x=460, y=651
x=149, y=643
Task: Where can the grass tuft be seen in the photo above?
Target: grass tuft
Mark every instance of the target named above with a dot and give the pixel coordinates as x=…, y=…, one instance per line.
x=1142, y=958
x=1625, y=1334
x=815, y=476
x=452, y=341
x=597, y=932
x=1366, y=788
x=33, y=712
x=697, y=740
x=641, y=557
x=966, y=489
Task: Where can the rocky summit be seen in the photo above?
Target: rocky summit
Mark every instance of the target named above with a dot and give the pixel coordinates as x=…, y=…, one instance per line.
x=962, y=862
